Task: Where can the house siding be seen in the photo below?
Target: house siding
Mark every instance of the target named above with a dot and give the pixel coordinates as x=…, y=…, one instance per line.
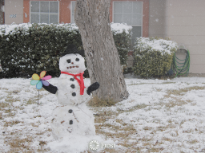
x=26, y=9
x=185, y=25
x=157, y=18
x=13, y=7
x=181, y=21
x=2, y=12
x=65, y=12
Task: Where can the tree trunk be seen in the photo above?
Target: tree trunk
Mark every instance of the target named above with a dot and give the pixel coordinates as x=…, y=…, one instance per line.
x=92, y=18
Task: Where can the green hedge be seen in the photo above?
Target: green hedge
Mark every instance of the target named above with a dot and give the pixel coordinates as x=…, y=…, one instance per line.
x=31, y=48
x=122, y=42
x=153, y=57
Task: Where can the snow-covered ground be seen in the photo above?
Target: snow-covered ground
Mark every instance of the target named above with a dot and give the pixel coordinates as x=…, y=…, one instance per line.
x=159, y=116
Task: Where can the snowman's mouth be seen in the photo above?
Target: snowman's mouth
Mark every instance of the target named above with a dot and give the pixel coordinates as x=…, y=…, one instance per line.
x=71, y=67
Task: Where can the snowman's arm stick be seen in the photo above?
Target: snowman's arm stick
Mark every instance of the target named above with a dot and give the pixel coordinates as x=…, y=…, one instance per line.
x=93, y=87
x=52, y=89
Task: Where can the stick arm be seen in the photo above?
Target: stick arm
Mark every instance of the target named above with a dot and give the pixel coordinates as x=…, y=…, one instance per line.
x=93, y=87
x=51, y=88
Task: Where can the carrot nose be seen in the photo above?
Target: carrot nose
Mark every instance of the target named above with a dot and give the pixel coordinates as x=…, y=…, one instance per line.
x=72, y=63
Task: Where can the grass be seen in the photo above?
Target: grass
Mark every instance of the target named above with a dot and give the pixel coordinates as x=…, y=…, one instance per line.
x=133, y=84
x=6, y=124
x=31, y=101
x=125, y=132
x=4, y=105
x=96, y=102
x=18, y=144
x=140, y=106
x=183, y=90
x=176, y=99
x=121, y=131
x=15, y=140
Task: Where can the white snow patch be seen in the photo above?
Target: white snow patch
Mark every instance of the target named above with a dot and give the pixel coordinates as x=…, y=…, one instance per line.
x=164, y=46
x=120, y=27
x=175, y=128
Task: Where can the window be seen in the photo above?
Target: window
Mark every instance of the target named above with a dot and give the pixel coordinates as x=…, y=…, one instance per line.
x=73, y=11
x=44, y=12
x=130, y=13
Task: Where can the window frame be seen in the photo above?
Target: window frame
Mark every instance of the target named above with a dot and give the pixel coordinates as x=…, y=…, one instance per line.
x=49, y=13
x=141, y=13
x=130, y=25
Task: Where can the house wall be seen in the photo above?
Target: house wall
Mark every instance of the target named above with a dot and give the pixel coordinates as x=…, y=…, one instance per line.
x=13, y=11
x=185, y=25
x=1, y=12
x=145, y=31
x=65, y=13
x=64, y=10
x=181, y=21
x=157, y=18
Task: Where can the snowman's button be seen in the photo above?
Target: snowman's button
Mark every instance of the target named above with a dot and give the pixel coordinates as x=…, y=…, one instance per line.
x=72, y=86
x=71, y=122
x=72, y=79
x=73, y=94
x=70, y=110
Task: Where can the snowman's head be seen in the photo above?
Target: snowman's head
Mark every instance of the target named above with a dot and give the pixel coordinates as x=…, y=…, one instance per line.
x=72, y=63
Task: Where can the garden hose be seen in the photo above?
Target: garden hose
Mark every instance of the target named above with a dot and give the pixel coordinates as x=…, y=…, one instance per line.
x=181, y=67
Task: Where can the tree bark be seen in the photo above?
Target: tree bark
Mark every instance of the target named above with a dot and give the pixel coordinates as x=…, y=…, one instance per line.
x=92, y=18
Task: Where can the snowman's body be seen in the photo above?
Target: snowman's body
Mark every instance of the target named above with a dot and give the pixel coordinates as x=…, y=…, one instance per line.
x=69, y=91
x=72, y=120
x=80, y=120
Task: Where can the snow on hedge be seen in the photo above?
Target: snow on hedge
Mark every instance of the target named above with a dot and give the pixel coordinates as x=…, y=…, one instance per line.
x=6, y=29
x=151, y=44
x=9, y=29
x=120, y=27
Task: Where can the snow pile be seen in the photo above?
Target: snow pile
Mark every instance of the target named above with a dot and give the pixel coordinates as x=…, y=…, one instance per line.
x=151, y=44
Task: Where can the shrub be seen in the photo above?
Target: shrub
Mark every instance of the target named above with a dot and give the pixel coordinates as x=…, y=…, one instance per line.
x=31, y=48
x=121, y=35
x=153, y=57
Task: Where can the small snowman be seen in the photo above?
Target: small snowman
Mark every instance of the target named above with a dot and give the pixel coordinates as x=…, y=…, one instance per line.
x=73, y=116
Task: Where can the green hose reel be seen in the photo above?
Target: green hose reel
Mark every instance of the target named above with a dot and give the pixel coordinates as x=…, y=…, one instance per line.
x=181, y=67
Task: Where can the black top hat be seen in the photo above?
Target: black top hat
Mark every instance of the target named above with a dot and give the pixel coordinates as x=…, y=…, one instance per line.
x=71, y=49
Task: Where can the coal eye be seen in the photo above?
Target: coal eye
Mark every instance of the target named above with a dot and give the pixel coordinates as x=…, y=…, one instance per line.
x=68, y=61
x=77, y=59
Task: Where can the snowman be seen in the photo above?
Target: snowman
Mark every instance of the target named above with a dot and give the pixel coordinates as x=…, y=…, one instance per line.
x=73, y=116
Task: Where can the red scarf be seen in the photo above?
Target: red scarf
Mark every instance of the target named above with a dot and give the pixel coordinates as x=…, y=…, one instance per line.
x=80, y=81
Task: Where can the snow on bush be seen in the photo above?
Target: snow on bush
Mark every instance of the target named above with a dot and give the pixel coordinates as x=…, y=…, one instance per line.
x=152, y=44
x=153, y=57
x=26, y=48
x=120, y=27
x=9, y=29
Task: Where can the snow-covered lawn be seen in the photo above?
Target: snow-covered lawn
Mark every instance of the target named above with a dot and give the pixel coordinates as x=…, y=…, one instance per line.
x=159, y=116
